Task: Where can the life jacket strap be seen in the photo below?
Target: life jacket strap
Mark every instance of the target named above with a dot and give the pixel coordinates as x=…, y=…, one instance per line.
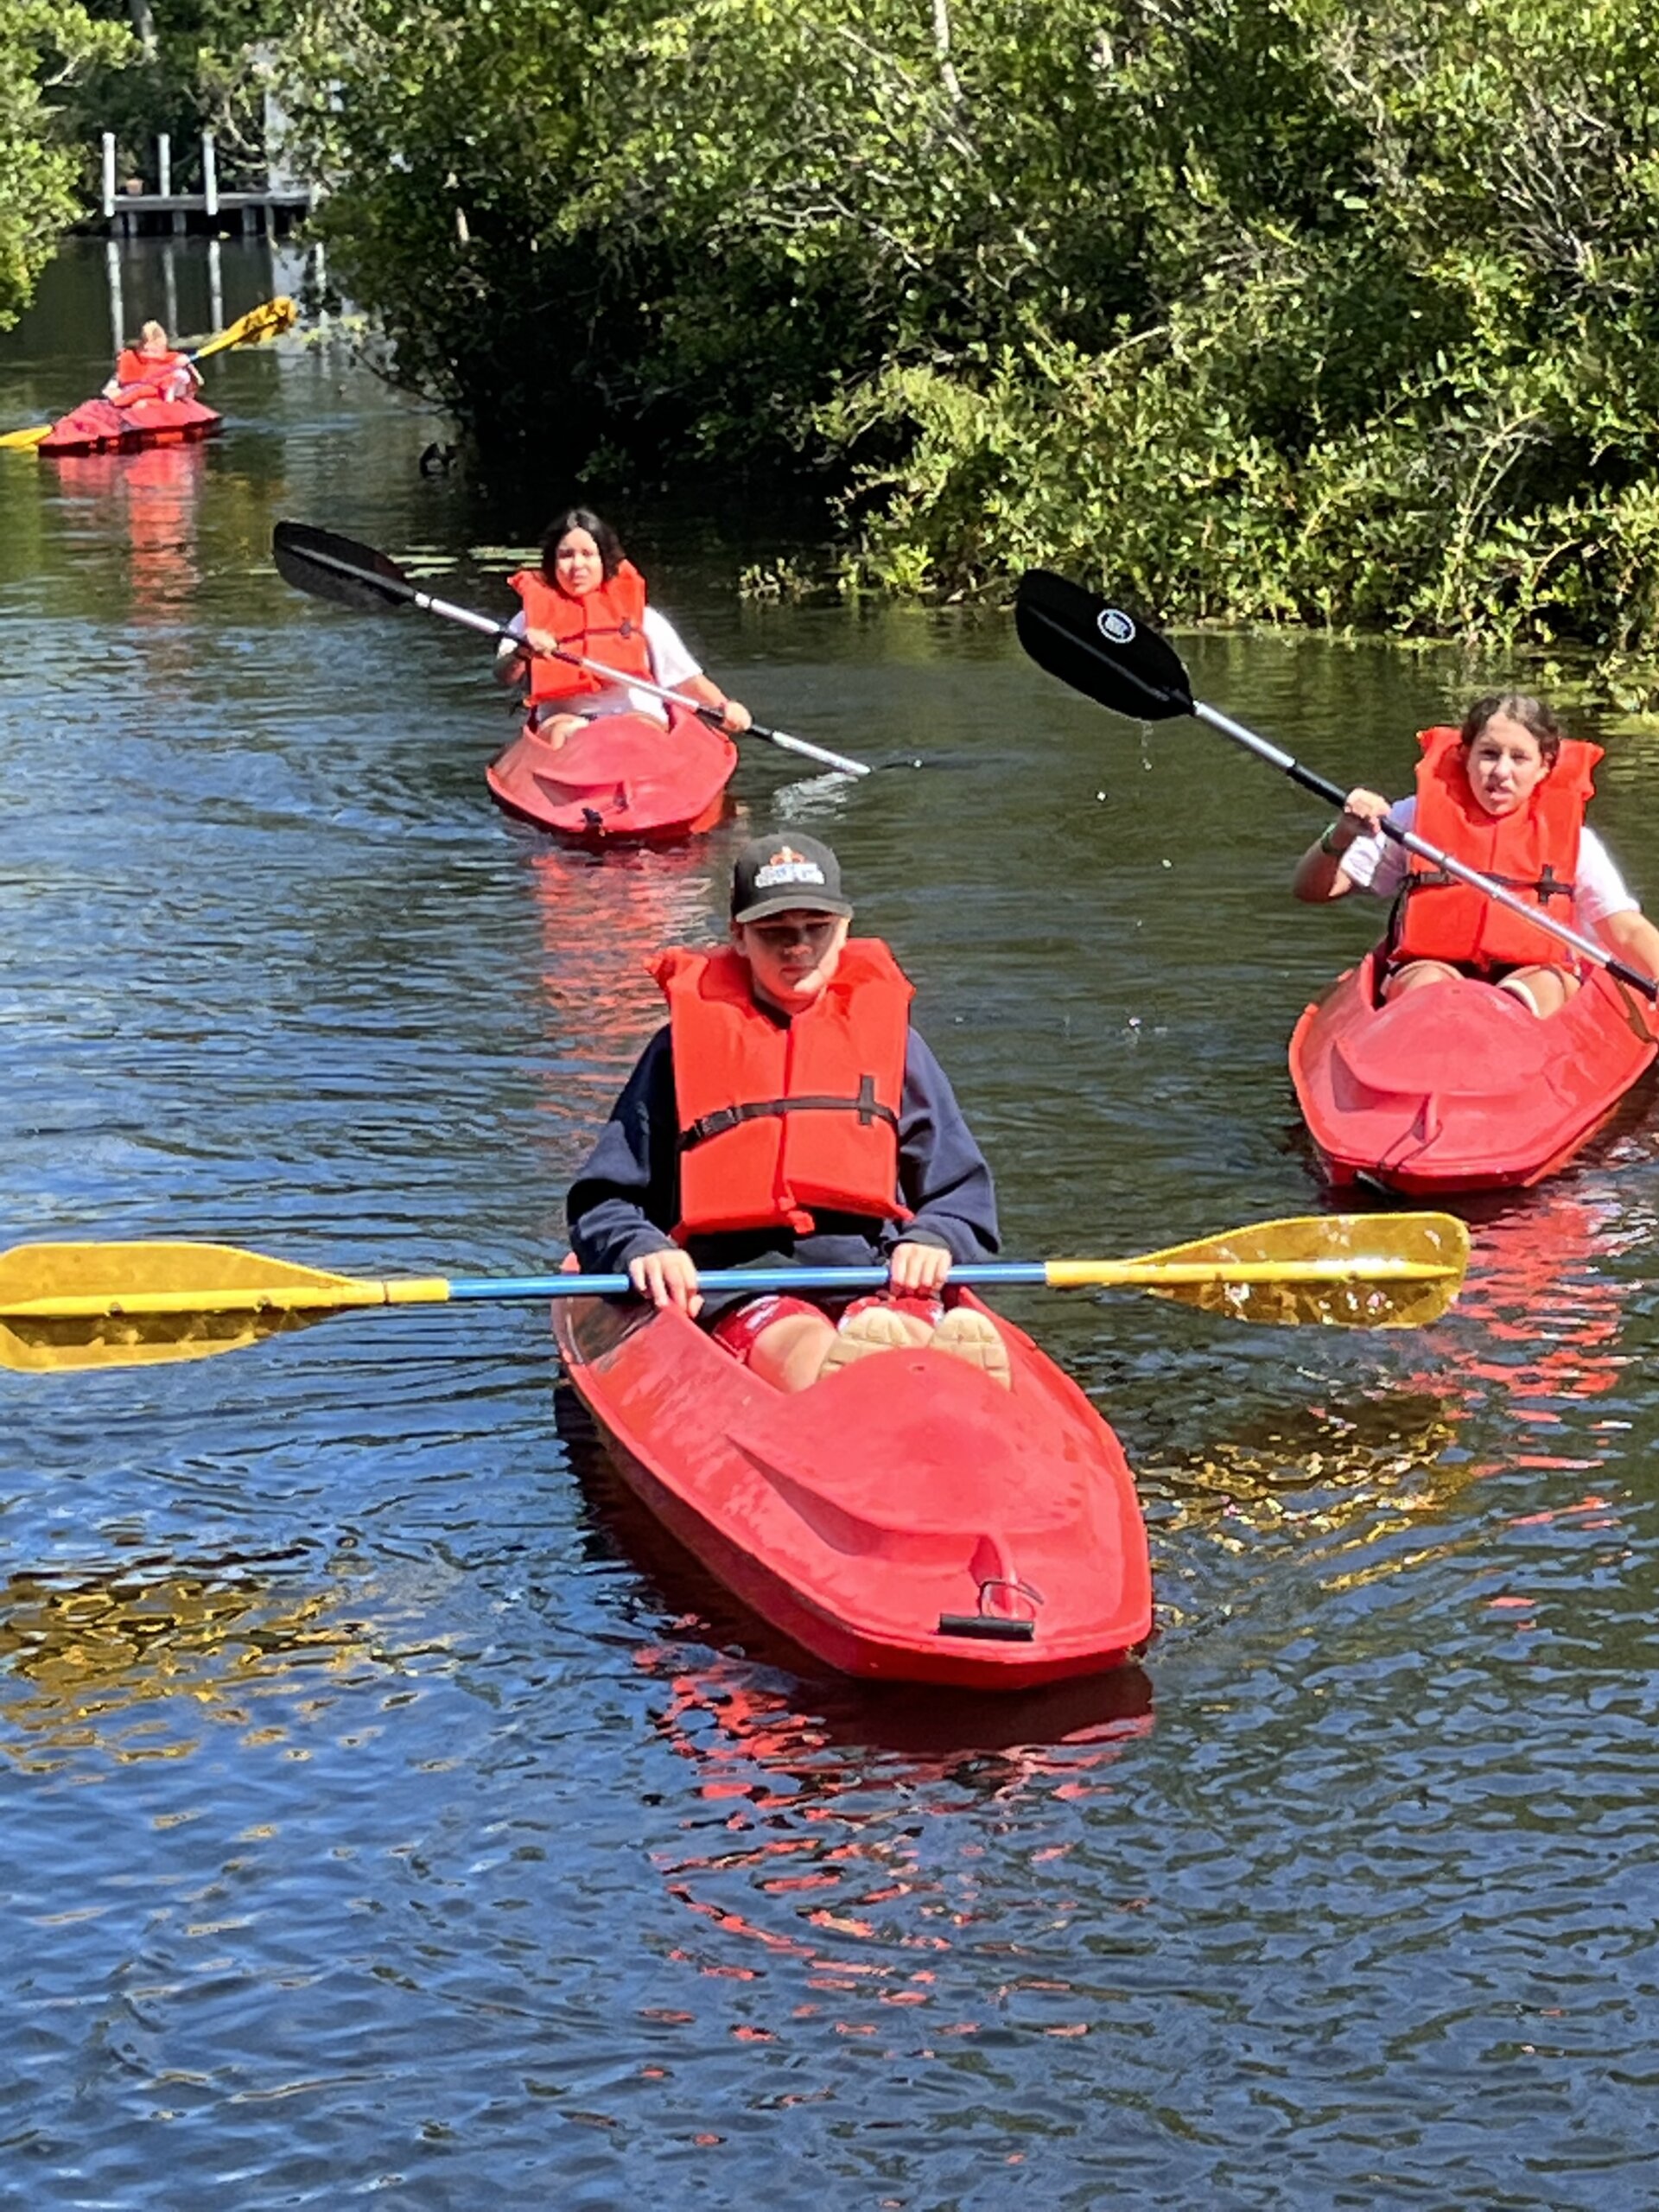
x=1543, y=888
x=867, y=1107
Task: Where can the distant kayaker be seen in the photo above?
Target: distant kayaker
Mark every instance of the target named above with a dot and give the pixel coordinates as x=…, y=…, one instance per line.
x=1505, y=793
x=587, y=598
x=152, y=369
x=789, y=1114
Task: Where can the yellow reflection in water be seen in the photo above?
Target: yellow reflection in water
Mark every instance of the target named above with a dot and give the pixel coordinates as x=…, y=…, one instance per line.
x=1511, y=1381
x=1319, y=1466
x=132, y=1664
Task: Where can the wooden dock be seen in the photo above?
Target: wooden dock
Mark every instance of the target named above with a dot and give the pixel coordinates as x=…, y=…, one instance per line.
x=275, y=206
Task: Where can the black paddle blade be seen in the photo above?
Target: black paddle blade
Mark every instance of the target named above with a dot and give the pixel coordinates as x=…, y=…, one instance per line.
x=339, y=568
x=1098, y=649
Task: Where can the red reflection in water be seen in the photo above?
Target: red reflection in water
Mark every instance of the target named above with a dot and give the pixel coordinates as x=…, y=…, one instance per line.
x=1540, y=1291
x=603, y=917
x=1512, y=1380
x=812, y=1807
x=1551, y=1304
x=825, y=1802
x=152, y=497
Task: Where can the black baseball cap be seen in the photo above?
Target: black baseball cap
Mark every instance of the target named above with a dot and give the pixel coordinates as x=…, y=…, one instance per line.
x=786, y=875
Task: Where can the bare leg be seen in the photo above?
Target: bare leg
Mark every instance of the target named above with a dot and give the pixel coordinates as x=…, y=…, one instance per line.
x=554, y=732
x=789, y=1354
x=1541, y=990
x=1416, y=975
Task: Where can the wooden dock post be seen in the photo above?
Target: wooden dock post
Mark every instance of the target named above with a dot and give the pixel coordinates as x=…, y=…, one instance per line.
x=109, y=176
x=209, y=176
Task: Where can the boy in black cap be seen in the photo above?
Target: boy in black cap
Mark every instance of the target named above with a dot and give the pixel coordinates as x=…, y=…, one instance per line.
x=789, y=1112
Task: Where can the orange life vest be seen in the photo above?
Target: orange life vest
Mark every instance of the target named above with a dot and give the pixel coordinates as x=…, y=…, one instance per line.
x=780, y=1120
x=145, y=376
x=606, y=625
x=1532, y=852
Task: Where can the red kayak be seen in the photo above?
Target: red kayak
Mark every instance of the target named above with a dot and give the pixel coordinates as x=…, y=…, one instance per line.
x=905, y=1520
x=1456, y=1086
x=101, y=427
x=620, y=776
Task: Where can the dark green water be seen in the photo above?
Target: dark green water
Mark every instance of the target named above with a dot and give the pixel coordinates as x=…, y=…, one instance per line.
x=386, y=1812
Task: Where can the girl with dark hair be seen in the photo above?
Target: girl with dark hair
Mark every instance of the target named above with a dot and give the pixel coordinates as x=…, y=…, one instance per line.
x=1504, y=793
x=587, y=602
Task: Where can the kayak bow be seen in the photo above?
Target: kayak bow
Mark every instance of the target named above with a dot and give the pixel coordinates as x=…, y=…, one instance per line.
x=99, y=427
x=907, y=1519
x=620, y=777
x=1455, y=1086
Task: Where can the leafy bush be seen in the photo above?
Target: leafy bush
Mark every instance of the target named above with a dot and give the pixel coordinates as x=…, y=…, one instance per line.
x=1267, y=308
x=43, y=48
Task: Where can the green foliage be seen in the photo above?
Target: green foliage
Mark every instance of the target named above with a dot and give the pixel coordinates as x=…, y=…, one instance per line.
x=42, y=48
x=69, y=71
x=195, y=65
x=1262, y=308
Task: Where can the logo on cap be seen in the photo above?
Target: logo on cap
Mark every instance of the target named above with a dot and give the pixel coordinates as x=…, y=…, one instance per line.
x=1114, y=626
x=787, y=866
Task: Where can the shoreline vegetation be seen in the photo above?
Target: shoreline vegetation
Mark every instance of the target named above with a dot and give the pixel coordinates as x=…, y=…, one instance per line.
x=1262, y=311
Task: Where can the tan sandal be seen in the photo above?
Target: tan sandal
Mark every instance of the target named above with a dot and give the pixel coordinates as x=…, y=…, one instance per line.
x=975, y=1337
x=876, y=1329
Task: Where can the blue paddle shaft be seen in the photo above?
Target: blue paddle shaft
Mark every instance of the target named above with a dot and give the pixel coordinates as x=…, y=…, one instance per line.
x=751, y=1281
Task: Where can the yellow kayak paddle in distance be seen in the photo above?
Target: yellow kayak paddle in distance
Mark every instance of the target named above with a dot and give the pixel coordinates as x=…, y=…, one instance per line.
x=269, y=319
x=65, y=1307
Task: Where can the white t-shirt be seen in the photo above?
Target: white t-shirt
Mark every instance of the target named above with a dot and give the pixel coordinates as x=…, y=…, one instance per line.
x=1377, y=864
x=671, y=665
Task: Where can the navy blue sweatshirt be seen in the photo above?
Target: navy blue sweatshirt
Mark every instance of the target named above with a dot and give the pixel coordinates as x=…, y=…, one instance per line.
x=626, y=1198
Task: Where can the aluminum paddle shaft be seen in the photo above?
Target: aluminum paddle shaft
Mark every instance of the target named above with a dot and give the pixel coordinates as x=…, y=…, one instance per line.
x=337, y=569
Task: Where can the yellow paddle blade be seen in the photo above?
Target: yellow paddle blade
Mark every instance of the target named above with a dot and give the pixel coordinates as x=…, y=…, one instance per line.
x=1353, y=1271
x=267, y=321
x=133, y=1304
x=22, y=439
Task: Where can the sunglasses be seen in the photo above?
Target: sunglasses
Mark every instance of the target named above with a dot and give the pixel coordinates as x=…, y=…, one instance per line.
x=777, y=935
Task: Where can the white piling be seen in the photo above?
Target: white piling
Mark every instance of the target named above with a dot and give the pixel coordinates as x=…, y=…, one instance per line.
x=118, y=305
x=209, y=176
x=109, y=175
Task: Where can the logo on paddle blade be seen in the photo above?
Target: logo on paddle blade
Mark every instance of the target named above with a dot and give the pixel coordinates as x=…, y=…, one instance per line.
x=1114, y=626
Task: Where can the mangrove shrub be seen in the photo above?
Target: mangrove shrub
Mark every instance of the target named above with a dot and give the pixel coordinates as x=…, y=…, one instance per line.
x=1268, y=308
x=43, y=47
